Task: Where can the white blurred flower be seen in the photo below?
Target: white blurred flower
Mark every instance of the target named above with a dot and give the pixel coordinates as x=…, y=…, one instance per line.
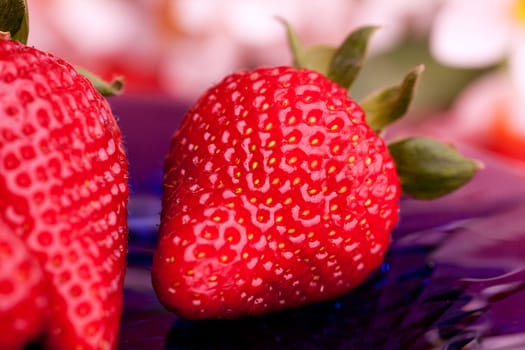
x=190, y=44
x=396, y=19
x=490, y=113
x=470, y=33
x=219, y=37
x=253, y=22
x=250, y=33
x=93, y=29
x=474, y=34
x=489, y=100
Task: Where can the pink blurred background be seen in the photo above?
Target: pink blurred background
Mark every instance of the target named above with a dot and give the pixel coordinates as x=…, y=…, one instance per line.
x=472, y=91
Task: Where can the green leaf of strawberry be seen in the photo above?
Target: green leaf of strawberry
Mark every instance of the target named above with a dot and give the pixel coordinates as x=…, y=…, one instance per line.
x=341, y=64
x=428, y=169
x=390, y=104
x=349, y=57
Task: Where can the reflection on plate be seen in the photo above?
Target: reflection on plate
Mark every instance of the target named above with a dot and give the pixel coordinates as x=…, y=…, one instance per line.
x=454, y=277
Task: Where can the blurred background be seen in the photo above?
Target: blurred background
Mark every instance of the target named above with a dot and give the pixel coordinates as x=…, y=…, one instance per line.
x=472, y=90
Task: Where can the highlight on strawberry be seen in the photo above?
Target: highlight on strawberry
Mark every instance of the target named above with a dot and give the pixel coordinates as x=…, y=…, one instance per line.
x=63, y=200
x=279, y=190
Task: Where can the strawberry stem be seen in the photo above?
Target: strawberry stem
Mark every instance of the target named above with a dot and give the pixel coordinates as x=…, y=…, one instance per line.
x=106, y=88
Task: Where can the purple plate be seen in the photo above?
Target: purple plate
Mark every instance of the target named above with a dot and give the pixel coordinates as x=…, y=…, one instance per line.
x=454, y=277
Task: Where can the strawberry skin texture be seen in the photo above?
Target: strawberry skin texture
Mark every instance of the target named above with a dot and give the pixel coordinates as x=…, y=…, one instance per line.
x=277, y=194
x=63, y=192
x=23, y=295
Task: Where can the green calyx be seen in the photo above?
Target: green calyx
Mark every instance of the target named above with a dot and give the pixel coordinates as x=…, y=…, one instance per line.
x=349, y=57
x=14, y=23
x=390, y=104
x=427, y=169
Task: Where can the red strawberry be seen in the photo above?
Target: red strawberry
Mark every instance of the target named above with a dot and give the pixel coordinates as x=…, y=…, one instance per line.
x=278, y=193
x=23, y=298
x=63, y=191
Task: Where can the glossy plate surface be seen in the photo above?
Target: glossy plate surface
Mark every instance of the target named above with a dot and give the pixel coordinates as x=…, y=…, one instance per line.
x=454, y=277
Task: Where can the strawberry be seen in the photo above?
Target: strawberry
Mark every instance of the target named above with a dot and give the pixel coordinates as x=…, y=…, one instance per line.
x=23, y=296
x=63, y=192
x=281, y=194
x=278, y=192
